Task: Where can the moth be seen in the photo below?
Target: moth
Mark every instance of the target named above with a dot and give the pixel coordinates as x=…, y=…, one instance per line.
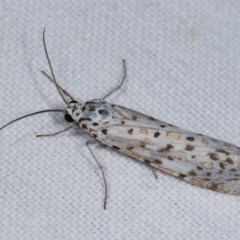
x=195, y=158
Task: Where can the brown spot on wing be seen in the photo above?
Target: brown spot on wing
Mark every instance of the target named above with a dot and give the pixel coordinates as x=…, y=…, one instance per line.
x=170, y=157
x=130, y=131
x=189, y=147
x=147, y=161
x=190, y=138
x=104, y=131
x=213, y=186
x=156, y=134
x=116, y=147
x=192, y=173
x=213, y=156
x=229, y=160
x=221, y=164
x=129, y=148
x=134, y=117
x=167, y=148
x=181, y=175
x=157, y=161
x=143, y=145
x=222, y=151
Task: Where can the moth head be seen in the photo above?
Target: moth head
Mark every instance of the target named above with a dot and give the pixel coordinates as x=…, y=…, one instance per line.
x=73, y=111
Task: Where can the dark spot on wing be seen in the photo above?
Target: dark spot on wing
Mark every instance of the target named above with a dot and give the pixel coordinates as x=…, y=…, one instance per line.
x=95, y=124
x=130, y=131
x=130, y=148
x=192, y=173
x=221, y=165
x=84, y=126
x=157, y=161
x=181, y=175
x=116, y=147
x=222, y=151
x=190, y=139
x=167, y=148
x=213, y=156
x=207, y=179
x=189, y=147
x=156, y=134
x=229, y=160
x=104, y=131
x=147, y=161
x=134, y=117
x=213, y=186
x=142, y=144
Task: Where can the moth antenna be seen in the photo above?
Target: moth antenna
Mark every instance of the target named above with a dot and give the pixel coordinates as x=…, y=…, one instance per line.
x=51, y=69
x=29, y=115
x=65, y=93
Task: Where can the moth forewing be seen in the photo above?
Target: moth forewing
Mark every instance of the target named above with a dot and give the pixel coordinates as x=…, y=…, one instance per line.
x=195, y=158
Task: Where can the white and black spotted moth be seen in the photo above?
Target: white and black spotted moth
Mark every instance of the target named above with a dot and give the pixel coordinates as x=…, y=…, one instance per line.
x=195, y=158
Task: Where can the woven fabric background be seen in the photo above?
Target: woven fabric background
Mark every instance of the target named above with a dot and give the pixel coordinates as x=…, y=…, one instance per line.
x=183, y=67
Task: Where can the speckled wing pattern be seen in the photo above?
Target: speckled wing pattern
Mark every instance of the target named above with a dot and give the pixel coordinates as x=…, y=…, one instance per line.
x=195, y=158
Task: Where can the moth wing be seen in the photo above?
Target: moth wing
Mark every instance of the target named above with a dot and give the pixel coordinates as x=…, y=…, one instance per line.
x=195, y=158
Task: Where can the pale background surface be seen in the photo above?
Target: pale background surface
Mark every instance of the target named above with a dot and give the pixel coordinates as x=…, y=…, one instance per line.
x=183, y=67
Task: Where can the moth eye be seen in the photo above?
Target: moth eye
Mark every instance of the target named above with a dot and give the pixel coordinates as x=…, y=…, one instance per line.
x=68, y=117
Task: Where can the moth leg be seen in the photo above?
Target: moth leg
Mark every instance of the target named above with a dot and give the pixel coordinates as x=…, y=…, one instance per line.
x=56, y=133
x=101, y=169
x=154, y=173
x=121, y=83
